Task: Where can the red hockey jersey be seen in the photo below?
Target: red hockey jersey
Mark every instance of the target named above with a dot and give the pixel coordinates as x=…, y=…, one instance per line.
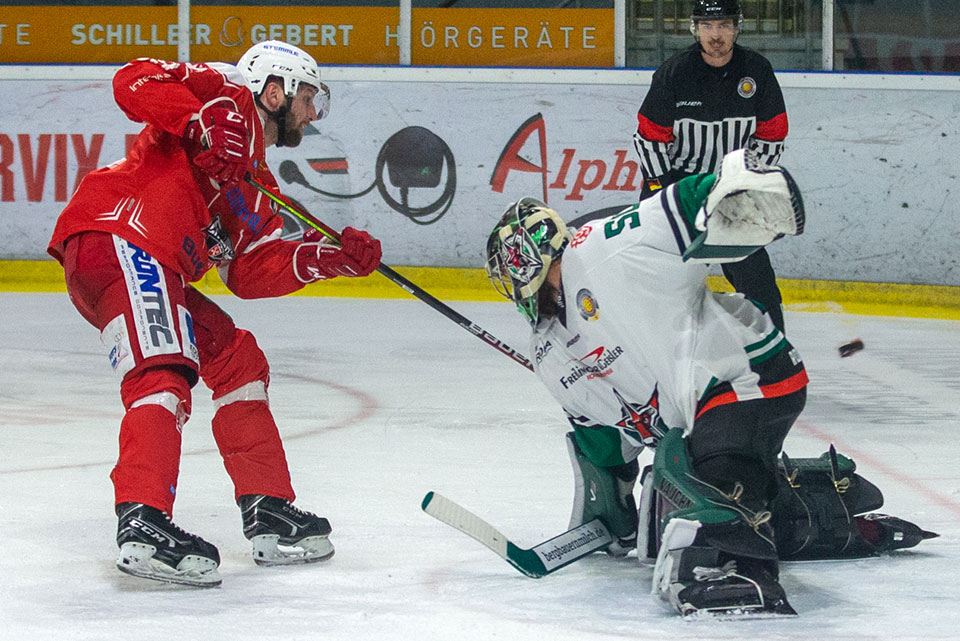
x=157, y=199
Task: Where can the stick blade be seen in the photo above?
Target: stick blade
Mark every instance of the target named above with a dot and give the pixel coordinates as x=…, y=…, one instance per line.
x=536, y=562
x=446, y=511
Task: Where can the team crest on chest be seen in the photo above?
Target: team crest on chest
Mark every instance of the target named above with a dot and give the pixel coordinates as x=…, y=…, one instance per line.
x=641, y=420
x=747, y=87
x=587, y=304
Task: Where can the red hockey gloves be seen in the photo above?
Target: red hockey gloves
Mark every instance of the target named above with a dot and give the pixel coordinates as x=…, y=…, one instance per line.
x=358, y=255
x=222, y=131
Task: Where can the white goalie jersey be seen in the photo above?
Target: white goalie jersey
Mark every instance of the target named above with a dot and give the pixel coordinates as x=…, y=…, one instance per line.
x=641, y=343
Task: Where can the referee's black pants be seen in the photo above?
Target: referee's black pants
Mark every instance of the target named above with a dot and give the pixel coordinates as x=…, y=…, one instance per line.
x=754, y=278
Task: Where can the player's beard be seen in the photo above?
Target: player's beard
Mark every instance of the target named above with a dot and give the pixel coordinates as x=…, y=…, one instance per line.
x=293, y=134
x=549, y=302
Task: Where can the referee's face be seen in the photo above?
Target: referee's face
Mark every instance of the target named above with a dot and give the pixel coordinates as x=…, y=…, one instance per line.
x=716, y=39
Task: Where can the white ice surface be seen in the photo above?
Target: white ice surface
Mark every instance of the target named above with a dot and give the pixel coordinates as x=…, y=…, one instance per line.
x=380, y=401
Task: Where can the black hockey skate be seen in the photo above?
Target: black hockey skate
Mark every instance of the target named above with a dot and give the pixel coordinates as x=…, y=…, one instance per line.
x=270, y=522
x=744, y=587
x=152, y=547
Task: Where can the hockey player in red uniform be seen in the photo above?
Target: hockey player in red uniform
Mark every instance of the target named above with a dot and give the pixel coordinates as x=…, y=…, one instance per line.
x=133, y=238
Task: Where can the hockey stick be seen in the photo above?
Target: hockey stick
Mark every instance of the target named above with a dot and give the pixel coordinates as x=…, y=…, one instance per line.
x=397, y=279
x=536, y=562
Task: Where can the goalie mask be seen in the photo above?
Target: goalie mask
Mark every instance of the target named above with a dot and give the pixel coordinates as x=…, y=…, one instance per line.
x=520, y=250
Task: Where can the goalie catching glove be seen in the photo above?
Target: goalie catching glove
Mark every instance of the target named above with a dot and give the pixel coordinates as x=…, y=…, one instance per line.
x=316, y=259
x=222, y=131
x=749, y=205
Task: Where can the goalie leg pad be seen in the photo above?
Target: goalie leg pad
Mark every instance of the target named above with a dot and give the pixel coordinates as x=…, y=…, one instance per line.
x=714, y=554
x=605, y=493
x=820, y=512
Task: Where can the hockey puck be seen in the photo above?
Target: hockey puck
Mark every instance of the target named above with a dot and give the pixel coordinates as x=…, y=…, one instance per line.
x=851, y=348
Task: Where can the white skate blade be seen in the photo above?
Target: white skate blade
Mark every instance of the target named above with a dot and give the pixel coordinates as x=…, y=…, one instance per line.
x=312, y=549
x=137, y=560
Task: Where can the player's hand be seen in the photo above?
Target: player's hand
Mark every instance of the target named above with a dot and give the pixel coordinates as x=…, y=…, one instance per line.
x=358, y=255
x=222, y=131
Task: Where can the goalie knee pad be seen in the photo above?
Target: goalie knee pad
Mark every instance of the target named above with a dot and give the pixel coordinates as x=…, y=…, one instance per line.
x=819, y=512
x=605, y=493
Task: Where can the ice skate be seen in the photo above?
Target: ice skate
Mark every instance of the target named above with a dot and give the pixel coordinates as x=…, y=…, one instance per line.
x=283, y=534
x=153, y=547
x=735, y=589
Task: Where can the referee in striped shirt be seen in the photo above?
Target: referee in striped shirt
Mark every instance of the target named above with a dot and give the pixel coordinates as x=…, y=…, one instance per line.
x=704, y=102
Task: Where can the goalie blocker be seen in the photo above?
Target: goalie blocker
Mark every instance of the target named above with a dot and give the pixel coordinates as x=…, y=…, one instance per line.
x=713, y=555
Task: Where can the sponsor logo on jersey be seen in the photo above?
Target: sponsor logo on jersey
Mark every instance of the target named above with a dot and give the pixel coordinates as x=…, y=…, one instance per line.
x=573, y=340
x=115, y=338
x=239, y=208
x=587, y=304
x=747, y=87
x=581, y=235
x=689, y=103
x=596, y=364
x=152, y=295
x=149, y=301
x=542, y=350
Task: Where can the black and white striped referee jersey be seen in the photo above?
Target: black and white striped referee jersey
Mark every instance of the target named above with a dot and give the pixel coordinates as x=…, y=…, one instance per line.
x=694, y=113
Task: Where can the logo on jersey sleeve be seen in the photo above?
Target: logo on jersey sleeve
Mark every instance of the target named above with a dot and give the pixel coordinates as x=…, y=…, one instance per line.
x=747, y=87
x=219, y=245
x=587, y=304
x=580, y=236
x=639, y=420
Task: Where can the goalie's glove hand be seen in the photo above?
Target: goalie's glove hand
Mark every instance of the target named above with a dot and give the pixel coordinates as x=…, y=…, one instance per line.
x=315, y=259
x=750, y=204
x=222, y=132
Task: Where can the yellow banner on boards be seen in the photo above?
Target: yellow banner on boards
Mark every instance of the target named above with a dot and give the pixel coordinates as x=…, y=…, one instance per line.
x=512, y=37
x=334, y=35
x=83, y=35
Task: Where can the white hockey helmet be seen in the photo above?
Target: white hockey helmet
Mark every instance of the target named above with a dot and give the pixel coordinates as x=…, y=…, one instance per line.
x=527, y=239
x=292, y=64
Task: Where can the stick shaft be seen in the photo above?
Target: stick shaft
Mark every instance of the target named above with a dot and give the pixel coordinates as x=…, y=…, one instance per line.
x=399, y=280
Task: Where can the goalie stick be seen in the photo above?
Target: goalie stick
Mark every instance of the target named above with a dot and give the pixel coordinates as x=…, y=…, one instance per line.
x=397, y=279
x=535, y=562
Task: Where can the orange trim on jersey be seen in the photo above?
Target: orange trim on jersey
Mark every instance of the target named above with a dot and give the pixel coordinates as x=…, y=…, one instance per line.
x=782, y=388
x=650, y=130
x=773, y=130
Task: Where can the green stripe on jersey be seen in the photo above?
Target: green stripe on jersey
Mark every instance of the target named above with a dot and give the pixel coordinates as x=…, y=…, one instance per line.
x=767, y=348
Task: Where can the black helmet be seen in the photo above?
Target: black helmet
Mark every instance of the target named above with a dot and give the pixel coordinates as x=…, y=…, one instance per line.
x=717, y=10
